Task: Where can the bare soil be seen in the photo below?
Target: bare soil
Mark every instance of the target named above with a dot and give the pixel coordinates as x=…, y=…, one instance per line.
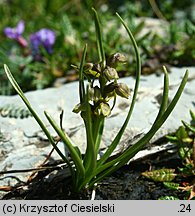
x=125, y=184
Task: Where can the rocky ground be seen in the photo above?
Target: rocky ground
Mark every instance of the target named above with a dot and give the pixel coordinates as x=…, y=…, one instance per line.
x=24, y=146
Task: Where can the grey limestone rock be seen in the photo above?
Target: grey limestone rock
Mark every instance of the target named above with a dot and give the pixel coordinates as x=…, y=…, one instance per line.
x=23, y=145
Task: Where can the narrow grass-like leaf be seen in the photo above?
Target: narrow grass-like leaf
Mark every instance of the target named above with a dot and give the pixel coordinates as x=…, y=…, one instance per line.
x=131, y=151
x=41, y=124
x=99, y=133
x=143, y=38
x=99, y=40
x=15, y=84
x=139, y=28
x=172, y=138
x=173, y=102
x=192, y=115
x=189, y=127
x=138, y=73
x=64, y=137
x=165, y=95
x=81, y=77
x=90, y=155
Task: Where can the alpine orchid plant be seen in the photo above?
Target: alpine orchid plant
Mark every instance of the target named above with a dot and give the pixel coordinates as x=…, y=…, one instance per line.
x=94, y=108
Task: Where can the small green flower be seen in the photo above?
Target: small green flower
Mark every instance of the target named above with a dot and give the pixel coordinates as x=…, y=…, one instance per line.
x=79, y=107
x=123, y=90
x=103, y=109
x=110, y=73
x=88, y=66
x=109, y=91
x=92, y=70
x=94, y=94
x=116, y=58
x=110, y=88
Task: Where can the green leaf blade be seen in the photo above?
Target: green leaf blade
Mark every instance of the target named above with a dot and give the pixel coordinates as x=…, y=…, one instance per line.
x=138, y=74
x=81, y=77
x=41, y=124
x=74, y=154
x=100, y=46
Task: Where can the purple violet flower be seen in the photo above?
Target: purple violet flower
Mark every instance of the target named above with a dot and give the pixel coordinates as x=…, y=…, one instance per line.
x=45, y=38
x=16, y=33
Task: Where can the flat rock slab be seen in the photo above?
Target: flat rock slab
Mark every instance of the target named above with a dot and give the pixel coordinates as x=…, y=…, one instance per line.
x=23, y=145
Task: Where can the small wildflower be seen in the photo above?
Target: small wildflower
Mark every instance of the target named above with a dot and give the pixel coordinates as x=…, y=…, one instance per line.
x=116, y=58
x=16, y=33
x=79, y=108
x=45, y=38
x=94, y=94
x=123, y=90
x=110, y=73
x=92, y=70
x=103, y=109
x=87, y=67
x=110, y=88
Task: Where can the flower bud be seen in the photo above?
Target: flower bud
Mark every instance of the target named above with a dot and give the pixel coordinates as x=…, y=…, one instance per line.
x=116, y=58
x=110, y=73
x=123, y=90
